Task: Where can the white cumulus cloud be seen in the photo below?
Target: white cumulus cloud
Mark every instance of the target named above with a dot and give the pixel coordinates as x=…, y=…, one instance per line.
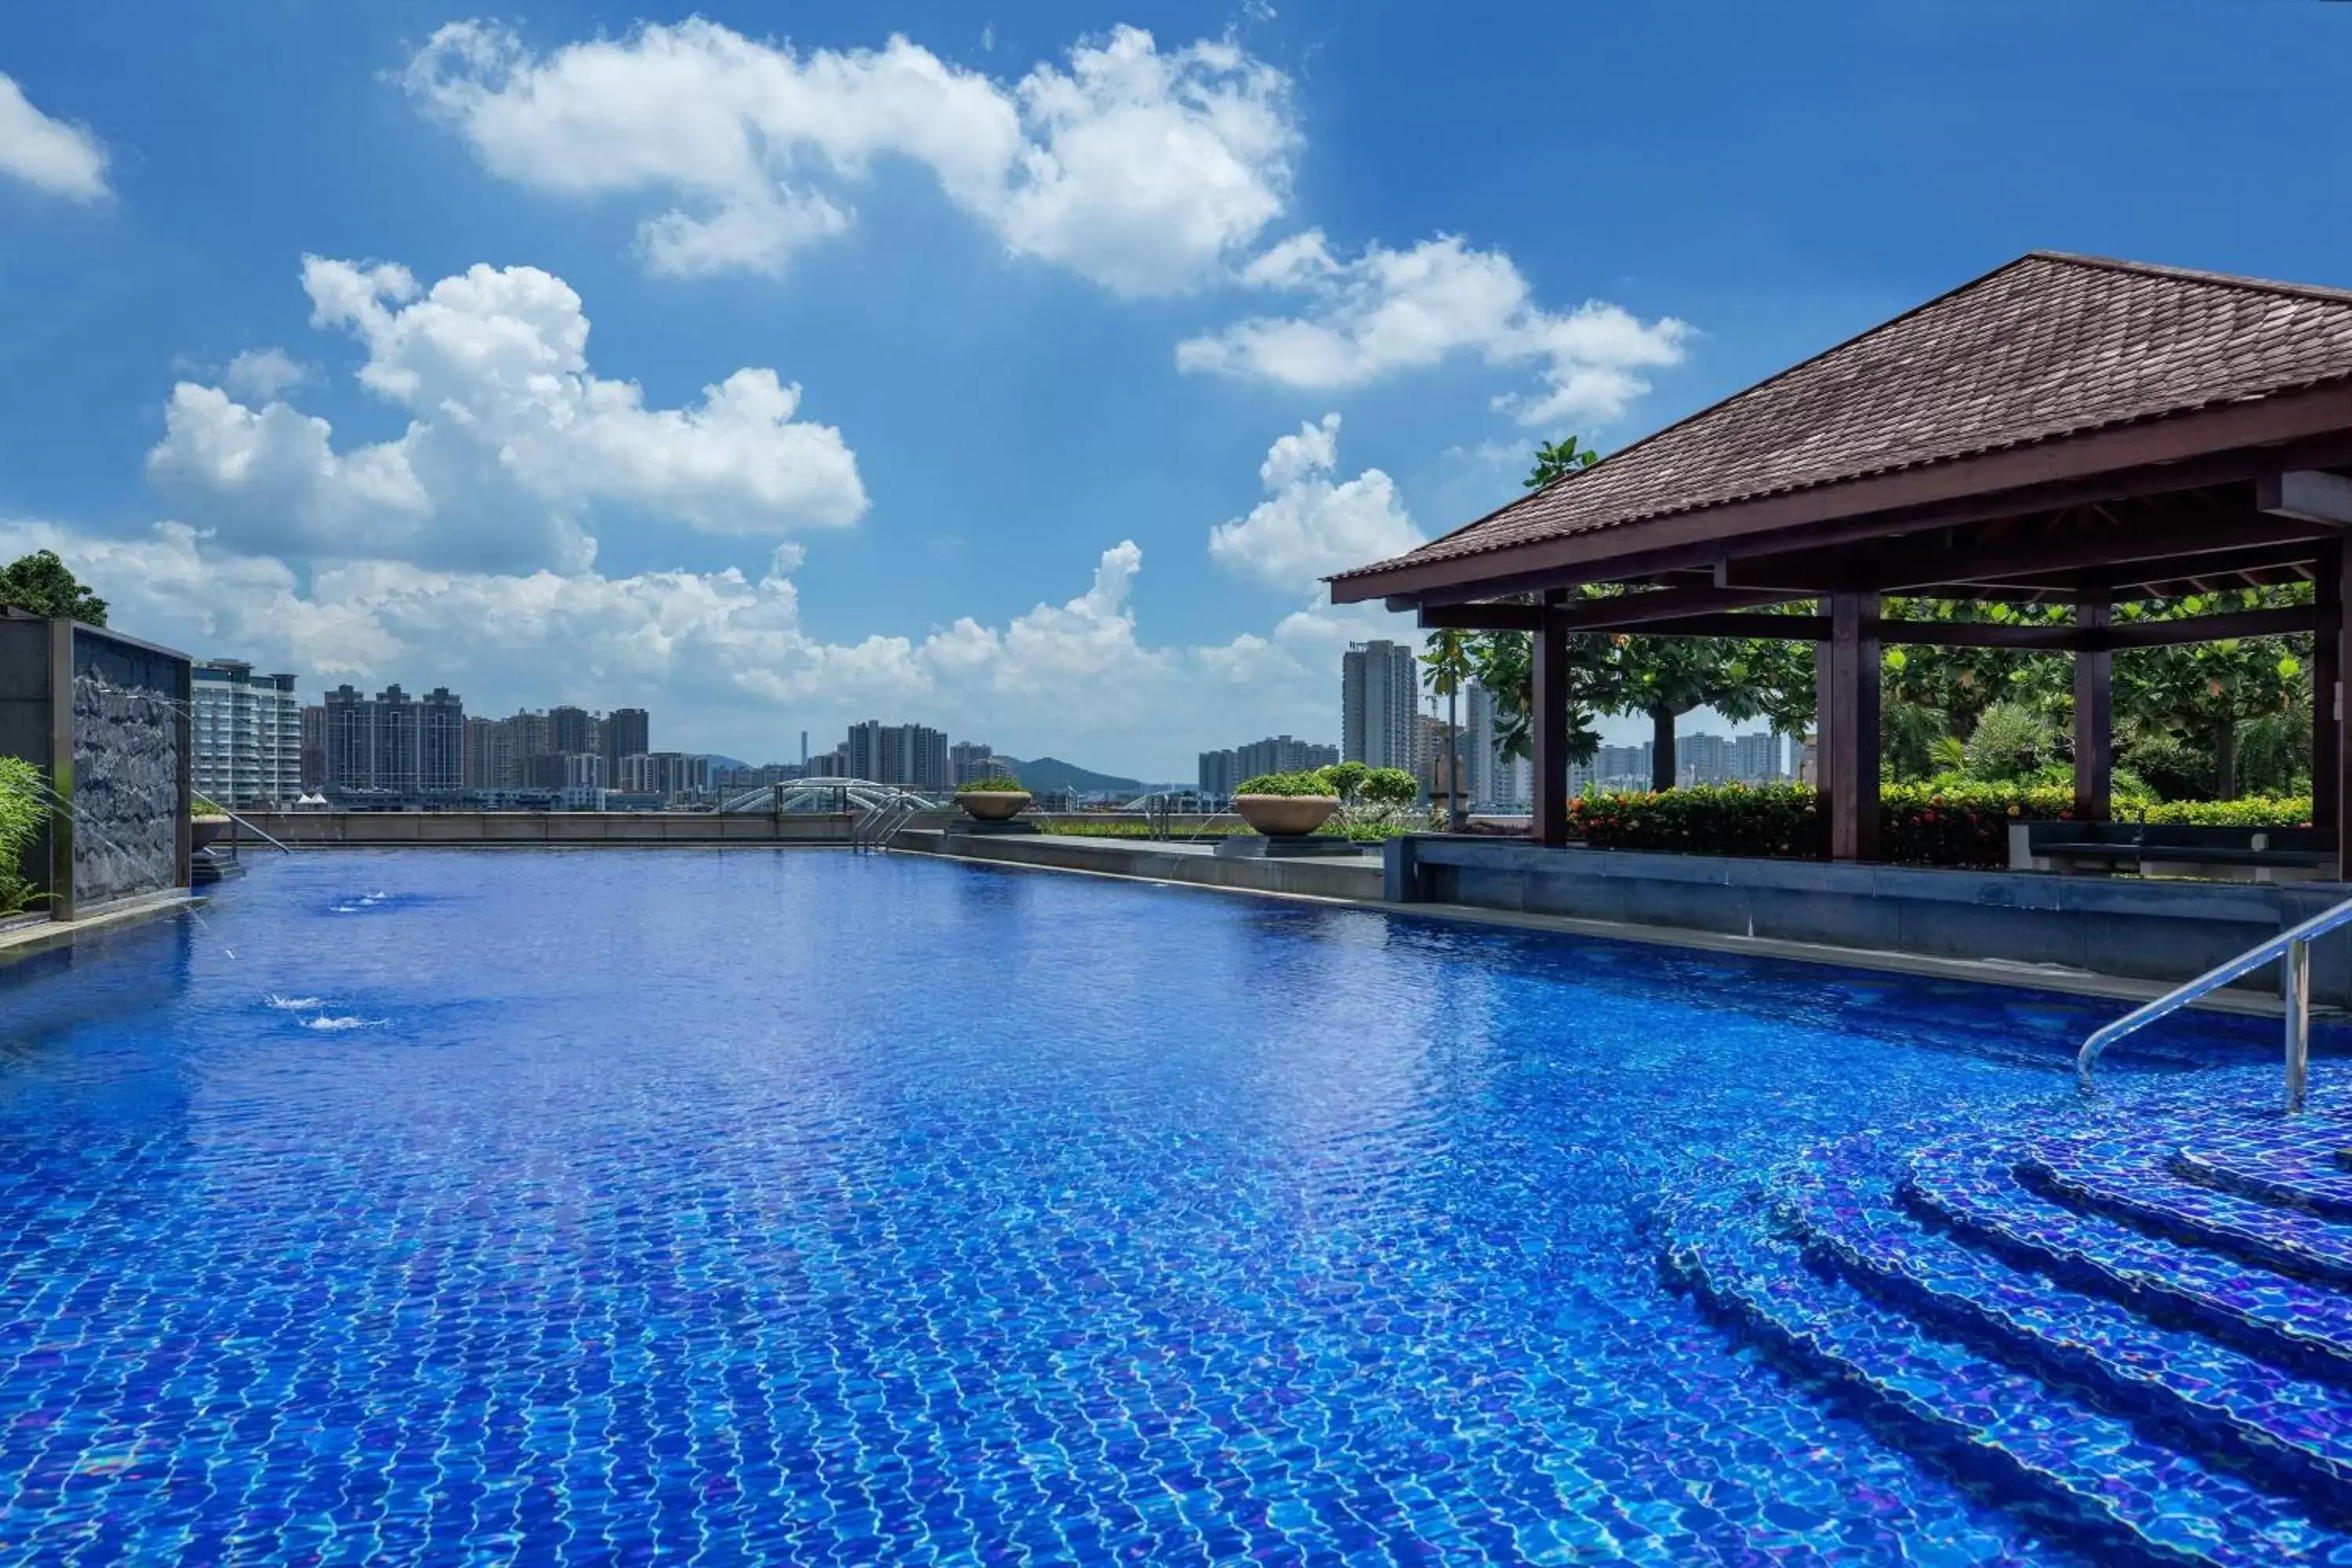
x=510, y=436
x=51, y=154
x=724, y=660
x=1308, y=526
x=1141, y=169
x=1388, y=311
x=260, y=375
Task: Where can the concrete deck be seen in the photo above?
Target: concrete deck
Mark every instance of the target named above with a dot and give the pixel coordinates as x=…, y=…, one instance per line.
x=41, y=935
x=1360, y=883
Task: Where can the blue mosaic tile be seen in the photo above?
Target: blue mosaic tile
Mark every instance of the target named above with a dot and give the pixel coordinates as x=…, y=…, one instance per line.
x=2295, y=1430
x=2128, y=1496
x=726, y=1207
x=1963, y=1184
x=2302, y=1162
x=2121, y=1174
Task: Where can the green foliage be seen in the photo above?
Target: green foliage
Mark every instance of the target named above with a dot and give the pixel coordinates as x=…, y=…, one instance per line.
x=998, y=783
x=1346, y=779
x=1663, y=677
x=2009, y=744
x=1389, y=788
x=1287, y=784
x=1556, y=459
x=1777, y=820
x=23, y=810
x=42, y=584
x=1939, y=822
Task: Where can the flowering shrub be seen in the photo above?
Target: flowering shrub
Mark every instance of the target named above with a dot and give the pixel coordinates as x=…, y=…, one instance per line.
x=1943, y=823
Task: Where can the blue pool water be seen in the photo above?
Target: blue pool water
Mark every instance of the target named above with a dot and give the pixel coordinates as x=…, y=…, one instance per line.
x=799, y=1207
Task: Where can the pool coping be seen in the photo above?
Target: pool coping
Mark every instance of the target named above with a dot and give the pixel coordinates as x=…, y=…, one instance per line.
x=24, y=942
x=1264, y=877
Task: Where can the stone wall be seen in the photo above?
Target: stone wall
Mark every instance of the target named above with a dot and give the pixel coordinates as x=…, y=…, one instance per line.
x=129, y=812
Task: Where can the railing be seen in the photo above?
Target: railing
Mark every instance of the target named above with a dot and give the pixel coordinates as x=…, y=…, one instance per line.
x=2291, y=948
x=879, y=823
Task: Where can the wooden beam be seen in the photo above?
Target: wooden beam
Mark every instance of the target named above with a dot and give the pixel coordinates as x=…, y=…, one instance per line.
x=1726, y=624
x=1623, y=611
x=1479, y=617
x=2207, y=628
x=2130, y=580
x=2093, y=715
x=1977, y=634
x=2327, y=693
x=1548, y=726
x=2172, y=546
x=2306, y=495
x=2059, y=638
x=1853, y=695
x=2211, y=446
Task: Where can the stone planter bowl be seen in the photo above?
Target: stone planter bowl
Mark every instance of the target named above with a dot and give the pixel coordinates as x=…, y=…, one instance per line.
x=993, y=804
x=202, y=830
x=1284, y=815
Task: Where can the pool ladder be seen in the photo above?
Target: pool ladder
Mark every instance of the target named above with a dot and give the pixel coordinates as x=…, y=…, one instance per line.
x=2291, y=948
x=880, y=822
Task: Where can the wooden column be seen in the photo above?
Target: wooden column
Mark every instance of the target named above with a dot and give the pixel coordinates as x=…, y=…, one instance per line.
x=2095, y=720
x=1547, y=724
x=1824, y=720
x=2331, y=738
x=1850, y=746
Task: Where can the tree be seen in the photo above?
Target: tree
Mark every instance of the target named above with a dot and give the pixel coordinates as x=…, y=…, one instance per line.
x=43, y=584
x=1556, y=459
x=1506, y=665
x=1445, y=668
x=1739, y=677
x=2202, y=693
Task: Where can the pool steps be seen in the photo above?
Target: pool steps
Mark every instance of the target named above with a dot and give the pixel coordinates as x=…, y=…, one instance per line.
x=2141, y=1335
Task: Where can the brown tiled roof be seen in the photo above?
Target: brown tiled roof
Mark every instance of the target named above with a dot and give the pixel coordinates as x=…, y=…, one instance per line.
x=2047, y=346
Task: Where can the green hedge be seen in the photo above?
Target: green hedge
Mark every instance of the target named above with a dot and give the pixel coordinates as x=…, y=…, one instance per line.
x=1936, y=824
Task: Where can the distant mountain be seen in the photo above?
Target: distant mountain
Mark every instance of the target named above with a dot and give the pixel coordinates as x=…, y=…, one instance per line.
x=718, y=761
x=1051, y=773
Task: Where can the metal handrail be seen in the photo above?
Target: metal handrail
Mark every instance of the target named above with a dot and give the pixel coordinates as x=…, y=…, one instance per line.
x=880, y=823
x=2292, y=948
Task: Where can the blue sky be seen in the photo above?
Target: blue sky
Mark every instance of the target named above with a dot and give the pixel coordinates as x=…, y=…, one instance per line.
x=1062, y=303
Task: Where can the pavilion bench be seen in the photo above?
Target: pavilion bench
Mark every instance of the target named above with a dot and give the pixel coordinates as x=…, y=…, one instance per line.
x=2165, y=849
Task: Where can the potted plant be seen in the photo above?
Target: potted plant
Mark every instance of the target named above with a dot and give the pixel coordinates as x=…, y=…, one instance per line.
x=998, y=799
x=1285, y=806
x=206, y=822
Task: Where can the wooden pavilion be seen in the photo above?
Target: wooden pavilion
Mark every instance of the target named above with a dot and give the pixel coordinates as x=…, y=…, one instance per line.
x=2064, y=429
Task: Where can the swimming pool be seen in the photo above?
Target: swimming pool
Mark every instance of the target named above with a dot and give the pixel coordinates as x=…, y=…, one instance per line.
x=797, y=1207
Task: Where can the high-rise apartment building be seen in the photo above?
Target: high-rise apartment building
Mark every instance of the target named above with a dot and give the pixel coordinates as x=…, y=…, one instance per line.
x=314, y=748
x=393, y=743
x=1222, y=773
x=669, y=775
x=247, y=733
x=482, y=770
x=625, y=732
x=1378, y=704
x=968, y=762
x=912, y=756
x=571, y=730
x=440, y=742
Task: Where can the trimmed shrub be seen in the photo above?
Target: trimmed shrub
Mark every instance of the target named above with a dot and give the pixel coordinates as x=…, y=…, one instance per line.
x=1287, y=783
x=1939, y=823
x=999, y=784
